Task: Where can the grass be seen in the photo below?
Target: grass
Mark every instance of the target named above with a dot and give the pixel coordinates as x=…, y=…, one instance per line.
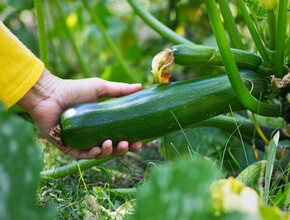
x=108, y=191
x=99, y=192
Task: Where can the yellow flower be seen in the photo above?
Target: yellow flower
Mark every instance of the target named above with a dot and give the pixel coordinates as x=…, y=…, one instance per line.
x=231, y=195
x=71, y=20
x=162, y=63
x=268, y=4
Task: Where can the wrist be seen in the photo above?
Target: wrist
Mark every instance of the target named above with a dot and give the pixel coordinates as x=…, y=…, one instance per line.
x=41, y=91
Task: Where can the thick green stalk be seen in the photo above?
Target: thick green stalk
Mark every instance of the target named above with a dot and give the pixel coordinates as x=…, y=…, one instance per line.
x=240, y=89
x=229, y=124
x=156, y=25
x=281, y=37
x=72, y=41
x=71, y=168
x=110, y=43
x=230, y=25
x=41, y=32
x=272, y=29
x=254, y=33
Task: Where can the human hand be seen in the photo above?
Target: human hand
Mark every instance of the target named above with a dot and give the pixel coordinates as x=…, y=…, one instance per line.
x=50, y=96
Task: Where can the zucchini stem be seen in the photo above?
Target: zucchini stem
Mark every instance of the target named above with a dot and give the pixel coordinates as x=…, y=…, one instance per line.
x=41, y=32
x=156, y=25
x=240, y=89
x=253, y=31
x=231, y=25
x=72, y=41
x=280, y=38
x=228, y=123
x=110, y=42
x=271, y=29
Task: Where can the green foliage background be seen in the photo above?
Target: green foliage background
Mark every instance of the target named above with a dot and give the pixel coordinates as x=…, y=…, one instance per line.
x=137, y=44
x=20, y=166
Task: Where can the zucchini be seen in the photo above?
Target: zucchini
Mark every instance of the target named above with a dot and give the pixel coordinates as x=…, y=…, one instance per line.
x=196, y=55
x=152, y=112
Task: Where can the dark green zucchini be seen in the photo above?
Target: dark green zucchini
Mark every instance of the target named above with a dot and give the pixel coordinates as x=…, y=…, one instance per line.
x=152, y=112
x=197, y=55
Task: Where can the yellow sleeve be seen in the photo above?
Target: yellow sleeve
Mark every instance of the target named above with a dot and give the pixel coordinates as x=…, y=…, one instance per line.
x=19, y=68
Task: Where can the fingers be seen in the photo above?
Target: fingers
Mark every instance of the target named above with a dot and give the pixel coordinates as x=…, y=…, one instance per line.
x=81, y=154
x=135, y=146
x=107, y=149
x=121, y=148
x=93, y=153
x=102, y=152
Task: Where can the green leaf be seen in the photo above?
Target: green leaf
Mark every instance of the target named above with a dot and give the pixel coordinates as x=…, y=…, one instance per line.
x=204, y=140
x=20, y=164
x=250, y=175
x=177, y=191
x=209, y=142
x=270, y=165
x=270, y=213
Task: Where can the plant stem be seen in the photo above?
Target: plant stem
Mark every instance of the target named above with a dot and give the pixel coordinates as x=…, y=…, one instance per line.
x=240, y=89
x=72, y=42
x=231, y=25
x=254, y=33
x=281, y=37
x=157, y=25
x=126, y=191
x=272, y=29
x=116, y=52
x=41, y=32
x=229, y=123
x=71, y=168
x=259, y=131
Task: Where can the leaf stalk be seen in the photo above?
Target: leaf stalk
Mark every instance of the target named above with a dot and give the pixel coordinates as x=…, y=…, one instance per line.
x=41, y=32
x=111, y=44
x=156, y=25
x=230, y=25
x=240, y=89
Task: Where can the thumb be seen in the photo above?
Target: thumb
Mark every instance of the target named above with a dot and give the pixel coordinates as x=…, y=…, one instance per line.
x=92, y=89
x=117, y=89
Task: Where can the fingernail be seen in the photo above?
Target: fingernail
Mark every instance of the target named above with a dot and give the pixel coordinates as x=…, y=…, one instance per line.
x=108, y=146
